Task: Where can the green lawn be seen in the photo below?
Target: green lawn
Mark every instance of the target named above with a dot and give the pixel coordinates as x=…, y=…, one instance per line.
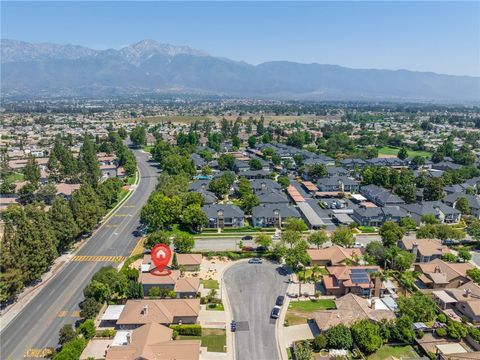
x=147, y=148
x=218, y=307
x=132, y=179
x=312, y=305
x=397, y=351
x=209, y=284
x=390, y=150
x=213, y=339
x=13, y=177
x=367, y=229
x=292, y=319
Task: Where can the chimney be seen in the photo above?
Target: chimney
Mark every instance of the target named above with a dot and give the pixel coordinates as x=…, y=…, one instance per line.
x=264, y=186
x=415, y=250
x=278, y=219
x=221, y=219
x=437, y=269
x=145, y=309
x=372, y=304
x=467, y=292
x=204, y=186
x=128, y=337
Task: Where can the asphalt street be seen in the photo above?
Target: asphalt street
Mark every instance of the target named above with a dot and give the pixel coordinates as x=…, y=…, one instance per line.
x=252, y=290
x=57, y=303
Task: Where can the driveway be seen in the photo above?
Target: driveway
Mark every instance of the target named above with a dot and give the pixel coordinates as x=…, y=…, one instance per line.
x=252, y=290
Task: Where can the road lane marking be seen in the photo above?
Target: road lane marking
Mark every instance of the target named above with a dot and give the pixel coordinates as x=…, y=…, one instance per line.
x=111, y=226
x=62, y=313
x=138, y=249
x=75, y=313
x=39, y=353
x=98, y=258
x=121, y=215
x=128, y=206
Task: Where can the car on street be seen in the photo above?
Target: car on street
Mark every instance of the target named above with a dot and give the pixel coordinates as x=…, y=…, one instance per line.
x=280, y=300
x=233, y=325
x=247, y=237
x=275, y=312
x=137, y=233
x=255, y=261
x=282, y=271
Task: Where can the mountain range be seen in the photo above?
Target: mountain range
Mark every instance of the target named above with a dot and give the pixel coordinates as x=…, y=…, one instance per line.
x=149, y=66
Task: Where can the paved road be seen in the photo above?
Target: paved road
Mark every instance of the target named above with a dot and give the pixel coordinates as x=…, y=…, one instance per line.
x=37, y=326
x=252, y=290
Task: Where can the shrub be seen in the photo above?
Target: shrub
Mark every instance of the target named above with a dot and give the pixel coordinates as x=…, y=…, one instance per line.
x=66, y=334
x=71, y=350
x=442, y=318
x=420, y=334
x=320, y=342
x=87, y=329
x=107, y=333
x=339, y=337
x=441, y=332
x=456, y=330
x=187, y=329
x=89, y=309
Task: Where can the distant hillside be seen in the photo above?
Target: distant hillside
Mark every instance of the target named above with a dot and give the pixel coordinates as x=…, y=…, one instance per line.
x=150, y=66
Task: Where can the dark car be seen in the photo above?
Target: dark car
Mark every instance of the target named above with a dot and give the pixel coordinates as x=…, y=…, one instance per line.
x=255, y=261
x=275, y=313
x=137, y=233
x=233, y=325
x=280, y=300
x=282, y=271
x=247, y=237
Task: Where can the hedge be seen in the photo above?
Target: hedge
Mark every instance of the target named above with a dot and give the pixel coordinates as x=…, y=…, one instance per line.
x=187, y=329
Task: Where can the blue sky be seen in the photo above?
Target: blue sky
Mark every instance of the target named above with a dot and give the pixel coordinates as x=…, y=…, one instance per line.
x=443, y=37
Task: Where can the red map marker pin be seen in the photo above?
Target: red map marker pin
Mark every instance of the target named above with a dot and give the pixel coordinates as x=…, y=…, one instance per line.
x=160, y=256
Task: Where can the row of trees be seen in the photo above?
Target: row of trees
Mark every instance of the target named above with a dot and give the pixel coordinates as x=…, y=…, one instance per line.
x=33, y=237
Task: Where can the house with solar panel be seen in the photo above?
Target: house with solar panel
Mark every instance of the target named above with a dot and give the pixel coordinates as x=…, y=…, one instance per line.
x=358, y=280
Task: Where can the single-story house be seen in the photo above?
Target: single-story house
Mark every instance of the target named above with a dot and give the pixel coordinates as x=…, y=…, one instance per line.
x=334, y=255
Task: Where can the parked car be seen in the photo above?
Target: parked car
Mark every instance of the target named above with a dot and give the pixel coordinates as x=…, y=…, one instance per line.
x=275, y=312
x=137, y=233
x=233, y=325
x=282, y=271
x=247, y=237
x=280, y=300
x=255, y=261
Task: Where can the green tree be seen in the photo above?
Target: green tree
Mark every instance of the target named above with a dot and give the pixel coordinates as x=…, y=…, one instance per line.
x=248, y=202
x=87, y=208
x=284, y=181
x=316, y=171
x=402, y=153
x=66, y=334
x=417, y=307
x=473, y=229
x=433, y=190
x=87, y=329
x=157, y=237
x=26, y=194
x=318, y=238
x=448, y=257
x=263, y=240
x=226, y=162
x=161, y=211
x=339, y=337
x=252, y=141
x=138, y=136
x=97, y=291
x=295, y=224
x=87, y=162
x=408, y=223
x=46, y=193
x=63, y=223
x=367, y=336
x=71, y=350
x=183, y=242
x=219, y=186
x=343, y=236
x=391, y=233
x=290, y=237
x=298, y=256
x=89, y=308
x=462, y=206
x=465, y=255
x=194, y=217
x=255, y=164
x=32, y=171
x=303, y=350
